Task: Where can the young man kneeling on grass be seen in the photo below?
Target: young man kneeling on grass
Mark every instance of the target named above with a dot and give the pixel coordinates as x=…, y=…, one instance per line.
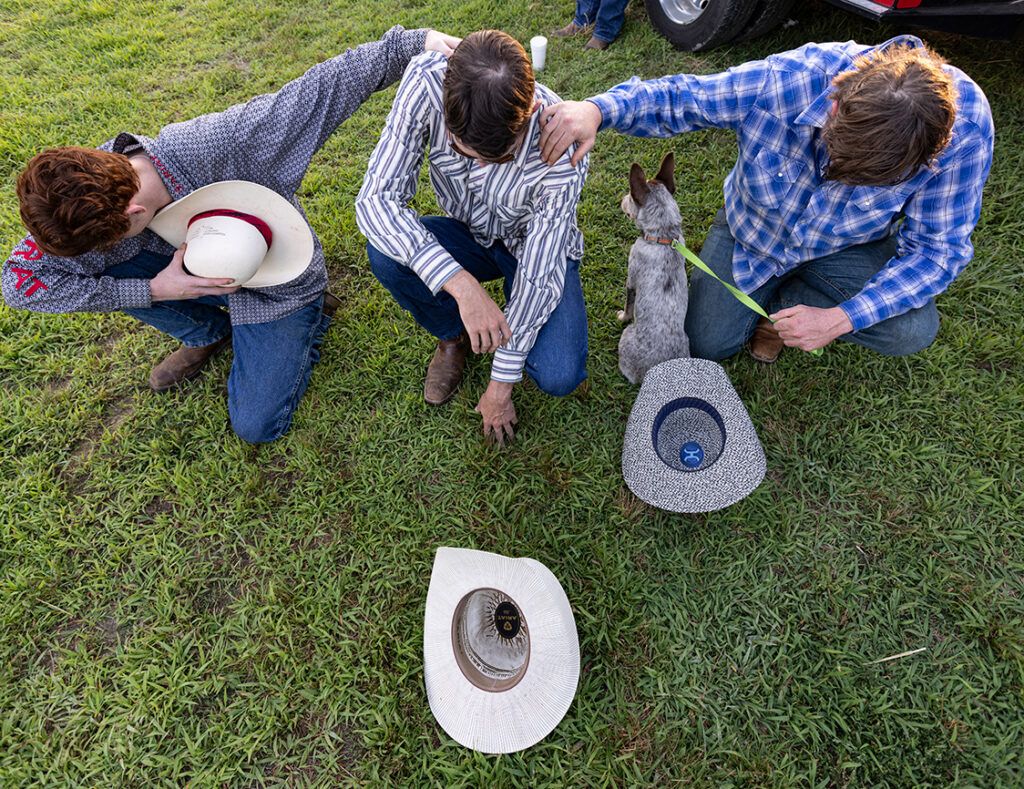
x=853, y=200
x=509, y=217
x=90, y=249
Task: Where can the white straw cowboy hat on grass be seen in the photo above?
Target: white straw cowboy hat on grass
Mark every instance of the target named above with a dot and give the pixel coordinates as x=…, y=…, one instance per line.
x=501, y=657
x=690, y=445
x=240, y=230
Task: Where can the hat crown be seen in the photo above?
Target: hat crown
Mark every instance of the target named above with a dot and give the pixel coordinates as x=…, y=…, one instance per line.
x=224, y=247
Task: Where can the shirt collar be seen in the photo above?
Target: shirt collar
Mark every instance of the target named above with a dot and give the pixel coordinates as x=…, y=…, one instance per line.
x=128, y=144
x=522, y=157
x=819, y=109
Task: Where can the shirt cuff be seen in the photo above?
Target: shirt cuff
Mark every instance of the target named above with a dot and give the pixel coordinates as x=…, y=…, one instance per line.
x=132, y=294
x=435, y=266
x=609, y=110
x=413, y=42
x=507, y=366
x=861, y=311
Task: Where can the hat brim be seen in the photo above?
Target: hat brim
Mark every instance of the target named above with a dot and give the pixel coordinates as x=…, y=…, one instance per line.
x=736, y=472
x=514, y=719
x=289, y=254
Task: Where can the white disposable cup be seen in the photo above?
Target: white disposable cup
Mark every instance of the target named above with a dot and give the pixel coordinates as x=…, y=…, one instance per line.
x=538, y=51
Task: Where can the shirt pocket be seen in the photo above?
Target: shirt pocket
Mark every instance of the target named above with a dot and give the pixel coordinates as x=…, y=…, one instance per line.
x=769, y=177
x=870, y=212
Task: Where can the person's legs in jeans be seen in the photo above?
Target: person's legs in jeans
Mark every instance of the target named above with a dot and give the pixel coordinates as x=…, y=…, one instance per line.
x=586, y=12
x=271, y=370
x=557, y=363
x=717, y=324
x=611, y=16
x=438, y=314
x=830, y=280
x=195, y=322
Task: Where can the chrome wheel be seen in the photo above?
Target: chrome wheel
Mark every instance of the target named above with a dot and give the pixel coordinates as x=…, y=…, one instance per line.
x=683, y=12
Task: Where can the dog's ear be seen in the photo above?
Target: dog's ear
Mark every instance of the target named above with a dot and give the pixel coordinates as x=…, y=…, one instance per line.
x=638, y=187
x=667, y=173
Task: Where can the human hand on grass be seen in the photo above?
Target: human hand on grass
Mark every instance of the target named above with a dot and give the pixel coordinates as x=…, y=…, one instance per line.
x=565, y=123
x=439, y=42
x=499, y=414
x=810, y=328
x=173, y=282
x=484, y=321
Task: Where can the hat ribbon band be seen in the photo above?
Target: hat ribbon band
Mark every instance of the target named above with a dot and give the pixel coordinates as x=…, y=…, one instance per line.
x=255, y=221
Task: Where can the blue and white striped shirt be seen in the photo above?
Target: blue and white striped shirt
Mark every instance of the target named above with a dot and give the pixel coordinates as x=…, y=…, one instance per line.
x=524, y=203
x=781, y=211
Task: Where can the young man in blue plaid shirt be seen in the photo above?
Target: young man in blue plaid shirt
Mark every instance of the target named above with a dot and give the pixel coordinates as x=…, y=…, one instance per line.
x=852, y=202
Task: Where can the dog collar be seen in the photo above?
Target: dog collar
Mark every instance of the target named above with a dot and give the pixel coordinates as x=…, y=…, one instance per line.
x=659, y=240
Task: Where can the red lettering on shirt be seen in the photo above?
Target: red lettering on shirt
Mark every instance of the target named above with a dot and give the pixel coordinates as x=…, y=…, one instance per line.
x=32, y=253
x=27, y=275
x=36, y=285
x=22, y=274
x=166, y=172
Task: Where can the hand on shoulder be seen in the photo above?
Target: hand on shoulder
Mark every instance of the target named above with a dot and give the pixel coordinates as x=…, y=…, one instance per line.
x=440, y=42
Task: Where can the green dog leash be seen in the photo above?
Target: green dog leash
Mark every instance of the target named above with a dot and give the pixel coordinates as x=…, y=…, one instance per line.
x=742, y=297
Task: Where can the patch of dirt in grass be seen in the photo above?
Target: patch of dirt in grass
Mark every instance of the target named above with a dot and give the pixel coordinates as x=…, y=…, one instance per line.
x=632, y=508
x=55, y=386
x=215, y=597
x=342, y=739
x=155, y=507
x=105, y=636
x=74, y=475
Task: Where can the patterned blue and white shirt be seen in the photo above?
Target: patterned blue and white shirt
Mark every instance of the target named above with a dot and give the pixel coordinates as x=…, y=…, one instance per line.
x=269, y=140
x=524, y=203
x=780, y=210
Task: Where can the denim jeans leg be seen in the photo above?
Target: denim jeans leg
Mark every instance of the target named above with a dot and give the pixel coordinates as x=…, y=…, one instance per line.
x=586, y=12
x=830, y=280
x=557, y=363
x=438, y=314
x=195, y=322
x=272, y=366
x=611, y=16
x=717, y=324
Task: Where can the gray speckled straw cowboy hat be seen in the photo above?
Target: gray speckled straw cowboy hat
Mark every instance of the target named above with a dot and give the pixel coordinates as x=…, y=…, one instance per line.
x=690, y=445
x=501, y=657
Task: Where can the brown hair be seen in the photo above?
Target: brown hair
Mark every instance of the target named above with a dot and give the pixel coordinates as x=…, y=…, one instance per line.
x=894, y=114
x=488, y=92
x=75, y=199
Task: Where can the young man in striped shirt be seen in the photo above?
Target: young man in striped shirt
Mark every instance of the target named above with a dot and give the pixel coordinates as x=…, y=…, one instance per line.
x=510, y=217
x=852, y=203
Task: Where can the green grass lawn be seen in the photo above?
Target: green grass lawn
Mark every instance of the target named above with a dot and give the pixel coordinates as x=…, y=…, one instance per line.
x=179, y=607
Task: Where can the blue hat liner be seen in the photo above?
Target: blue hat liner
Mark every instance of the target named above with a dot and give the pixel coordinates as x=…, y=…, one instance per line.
x=690, y=445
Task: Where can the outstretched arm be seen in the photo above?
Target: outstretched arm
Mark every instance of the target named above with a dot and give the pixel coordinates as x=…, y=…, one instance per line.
x=272, y=138
x=654, y=108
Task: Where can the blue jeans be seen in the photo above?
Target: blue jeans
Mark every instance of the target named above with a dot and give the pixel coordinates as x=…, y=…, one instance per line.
x=272, y=361
x=607, y=17
x=557, y=363
x=718, y=325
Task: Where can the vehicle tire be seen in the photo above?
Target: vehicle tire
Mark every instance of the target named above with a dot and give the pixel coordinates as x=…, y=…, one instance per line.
x=767, y=16
x=699, y=24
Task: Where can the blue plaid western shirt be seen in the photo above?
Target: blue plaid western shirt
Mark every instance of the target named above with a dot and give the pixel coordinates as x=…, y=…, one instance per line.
x=781, y=210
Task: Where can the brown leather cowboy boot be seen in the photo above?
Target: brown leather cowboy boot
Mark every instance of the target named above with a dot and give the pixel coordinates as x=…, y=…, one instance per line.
x=597, y=43
x=765, y=342
x=183, y=364
x=444, y=373
x=571, y=29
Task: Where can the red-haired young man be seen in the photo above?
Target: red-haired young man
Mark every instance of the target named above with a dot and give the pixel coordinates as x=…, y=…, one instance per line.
x=90, y=248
